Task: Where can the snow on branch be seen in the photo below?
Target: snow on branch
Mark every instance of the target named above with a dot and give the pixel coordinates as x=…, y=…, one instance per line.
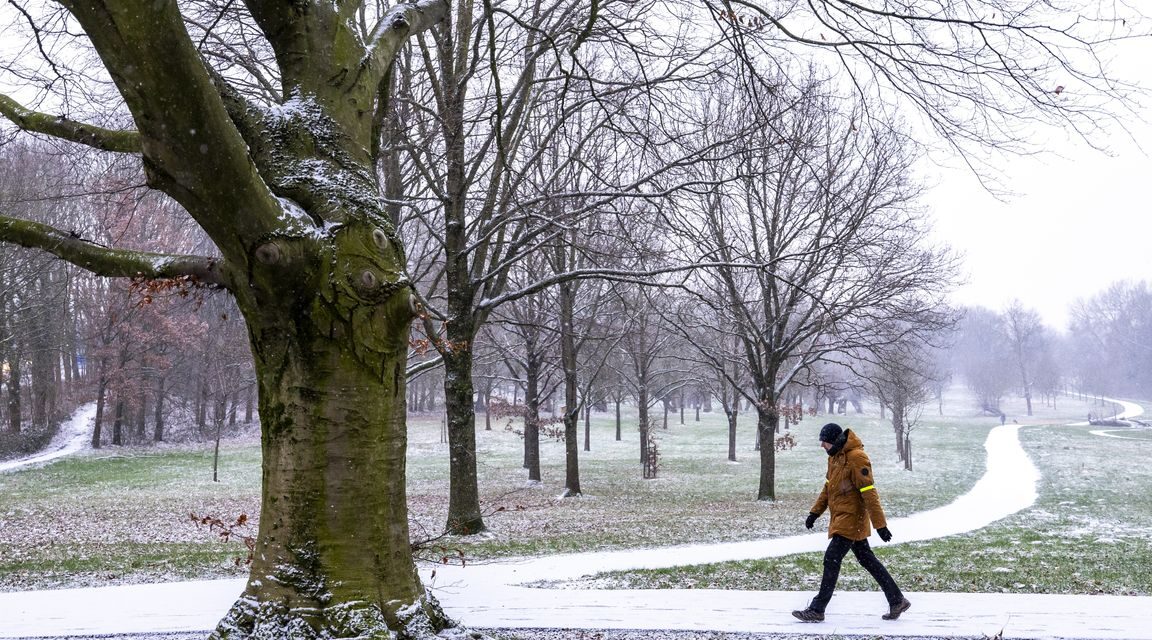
x=62, y=127
x=402, y=21
x=106, y=261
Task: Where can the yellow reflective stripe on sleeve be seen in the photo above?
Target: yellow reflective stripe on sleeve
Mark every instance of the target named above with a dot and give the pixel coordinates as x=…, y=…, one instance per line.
x=868, y=488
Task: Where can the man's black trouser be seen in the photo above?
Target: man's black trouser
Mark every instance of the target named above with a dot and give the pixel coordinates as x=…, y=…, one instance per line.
x=838, y=547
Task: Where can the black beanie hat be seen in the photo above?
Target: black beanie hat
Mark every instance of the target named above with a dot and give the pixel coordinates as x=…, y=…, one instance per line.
x=830, y=432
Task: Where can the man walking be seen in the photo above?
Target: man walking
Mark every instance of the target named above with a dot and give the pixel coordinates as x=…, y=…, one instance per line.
x=849, y=495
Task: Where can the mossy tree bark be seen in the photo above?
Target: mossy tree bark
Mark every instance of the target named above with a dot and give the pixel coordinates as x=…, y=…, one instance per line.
x=288, y=192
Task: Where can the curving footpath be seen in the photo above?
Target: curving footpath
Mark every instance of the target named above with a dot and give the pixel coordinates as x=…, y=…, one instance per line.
x=73, y=436
x=493, y=596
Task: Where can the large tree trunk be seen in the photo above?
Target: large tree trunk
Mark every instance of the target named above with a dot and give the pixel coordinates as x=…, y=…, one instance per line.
x=464, y=516
x=333, y=555
x=767, y=421
x=571, y=401
x=290, y=198
x=532, y=412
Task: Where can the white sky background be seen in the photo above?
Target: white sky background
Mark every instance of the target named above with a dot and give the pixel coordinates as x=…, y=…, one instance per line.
x=1078, y=220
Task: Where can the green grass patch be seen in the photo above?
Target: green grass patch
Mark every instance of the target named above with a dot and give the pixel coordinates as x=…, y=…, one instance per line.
x=100, y=564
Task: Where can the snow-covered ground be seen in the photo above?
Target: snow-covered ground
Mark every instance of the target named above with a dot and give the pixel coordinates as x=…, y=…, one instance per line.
x=75, y=434
x=494, y=595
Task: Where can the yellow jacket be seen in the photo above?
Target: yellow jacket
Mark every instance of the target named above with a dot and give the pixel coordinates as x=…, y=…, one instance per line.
x=849, y=492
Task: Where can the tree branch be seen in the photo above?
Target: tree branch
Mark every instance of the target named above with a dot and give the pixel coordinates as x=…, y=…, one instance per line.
x=643, y=277
x=403, y=20
x=105, y=261
x=62, y=127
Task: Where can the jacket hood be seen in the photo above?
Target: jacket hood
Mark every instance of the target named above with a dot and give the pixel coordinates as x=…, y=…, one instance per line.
x=846, y=442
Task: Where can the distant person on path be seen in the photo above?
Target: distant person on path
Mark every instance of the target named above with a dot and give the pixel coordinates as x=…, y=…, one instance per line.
x=850, y=497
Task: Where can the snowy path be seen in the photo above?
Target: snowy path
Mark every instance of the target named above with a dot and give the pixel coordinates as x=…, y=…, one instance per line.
x=490, y=596
x=73, y=436
x=1131, y=410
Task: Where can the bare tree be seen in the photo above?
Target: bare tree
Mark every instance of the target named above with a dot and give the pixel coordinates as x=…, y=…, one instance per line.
x=903, y=373
x=1111, y=340
x=977, y=73
x=648, y=366
x=529, y=355
x=1025, y=333
x=826, y=207
x=983, y=357
x=37, y=296
x=548, y=86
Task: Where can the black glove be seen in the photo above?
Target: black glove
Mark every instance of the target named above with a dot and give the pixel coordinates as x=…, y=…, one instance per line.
x=884, y=534
x=811, y=519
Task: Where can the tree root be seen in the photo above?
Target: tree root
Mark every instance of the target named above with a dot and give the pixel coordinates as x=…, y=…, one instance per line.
x=249, y=619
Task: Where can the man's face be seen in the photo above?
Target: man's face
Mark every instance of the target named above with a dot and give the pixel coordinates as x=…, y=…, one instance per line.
x=826, y=445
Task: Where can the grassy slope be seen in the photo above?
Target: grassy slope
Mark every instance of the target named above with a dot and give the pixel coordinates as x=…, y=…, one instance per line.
x=122, y=515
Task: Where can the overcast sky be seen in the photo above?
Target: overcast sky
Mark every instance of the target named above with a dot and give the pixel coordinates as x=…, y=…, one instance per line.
x=1077, y=226
x=1080, y=219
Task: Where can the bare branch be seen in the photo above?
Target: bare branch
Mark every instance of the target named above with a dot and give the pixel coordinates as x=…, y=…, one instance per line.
x=105, y=261
x=641, y=277
x=62, y=127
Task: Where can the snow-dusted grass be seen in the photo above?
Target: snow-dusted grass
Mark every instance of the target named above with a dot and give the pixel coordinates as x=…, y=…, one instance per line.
x=698, y=497
x=122, y=515
x=1087, y=533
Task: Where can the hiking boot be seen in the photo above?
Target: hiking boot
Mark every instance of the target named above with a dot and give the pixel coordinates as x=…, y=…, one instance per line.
x=896, y=609
x=810, y=615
